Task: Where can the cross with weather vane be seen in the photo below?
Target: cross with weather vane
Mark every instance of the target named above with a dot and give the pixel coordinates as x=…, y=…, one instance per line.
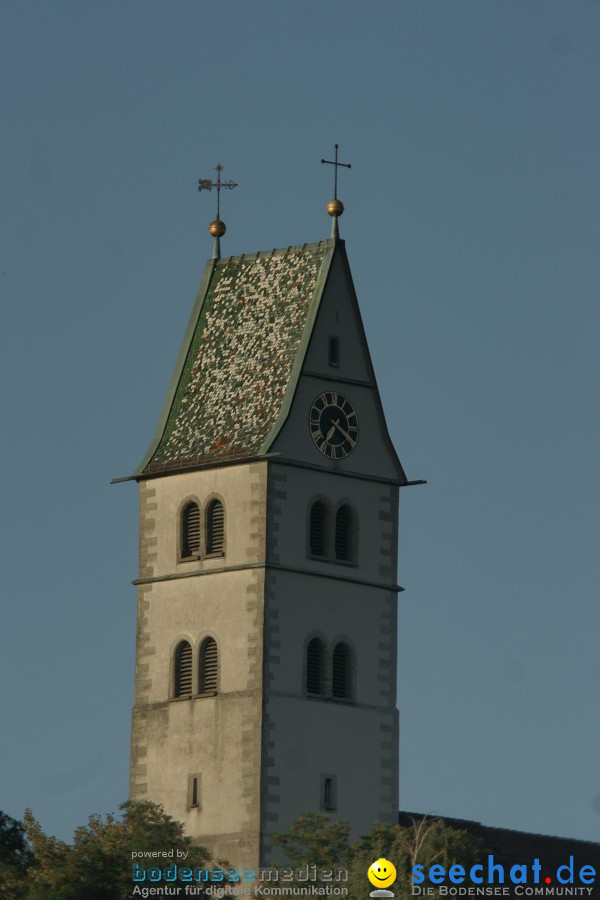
x=335, y=207
x=217, y=227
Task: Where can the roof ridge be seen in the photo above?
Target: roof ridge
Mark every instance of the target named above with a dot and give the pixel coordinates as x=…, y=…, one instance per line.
x=482, y=825
x=291, y=248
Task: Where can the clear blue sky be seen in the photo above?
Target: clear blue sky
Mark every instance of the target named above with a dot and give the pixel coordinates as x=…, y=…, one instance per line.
x=472, y=225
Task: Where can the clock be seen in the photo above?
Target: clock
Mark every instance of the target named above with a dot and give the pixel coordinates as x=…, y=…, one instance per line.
x=333, y=425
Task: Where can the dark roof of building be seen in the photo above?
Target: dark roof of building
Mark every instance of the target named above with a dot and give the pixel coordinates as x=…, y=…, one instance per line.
x=511, y=847
x=241, y=357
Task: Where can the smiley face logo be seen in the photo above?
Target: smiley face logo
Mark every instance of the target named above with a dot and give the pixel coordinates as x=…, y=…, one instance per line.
x=381, y=873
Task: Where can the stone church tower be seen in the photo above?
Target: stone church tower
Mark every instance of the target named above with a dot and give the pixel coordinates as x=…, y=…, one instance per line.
x=265, y=680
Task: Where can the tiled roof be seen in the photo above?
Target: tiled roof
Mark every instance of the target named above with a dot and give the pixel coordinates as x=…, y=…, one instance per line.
x=522, y=847
x=253, y=321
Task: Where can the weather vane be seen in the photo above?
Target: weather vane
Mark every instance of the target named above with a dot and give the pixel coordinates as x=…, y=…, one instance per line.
x=335, y=207
x=217, y=227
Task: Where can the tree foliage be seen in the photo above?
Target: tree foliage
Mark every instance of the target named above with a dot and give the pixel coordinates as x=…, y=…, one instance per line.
x=98, y=864
x=15, y=857
x=315, y=839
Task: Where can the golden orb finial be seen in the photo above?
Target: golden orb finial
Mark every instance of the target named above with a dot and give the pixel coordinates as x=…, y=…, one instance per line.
x=217, y=228
x=335, y=207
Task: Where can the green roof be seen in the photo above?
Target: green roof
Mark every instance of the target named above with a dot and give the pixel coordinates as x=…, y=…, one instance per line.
x=241, y=357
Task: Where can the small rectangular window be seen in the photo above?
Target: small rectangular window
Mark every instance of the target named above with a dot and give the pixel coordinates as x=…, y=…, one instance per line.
x=194, y=782
x=334, y=351
x=328, y=793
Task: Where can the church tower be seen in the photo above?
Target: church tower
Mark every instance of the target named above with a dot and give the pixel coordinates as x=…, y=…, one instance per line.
x=265, y=680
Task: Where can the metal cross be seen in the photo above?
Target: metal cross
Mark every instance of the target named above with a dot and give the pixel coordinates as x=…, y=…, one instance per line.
x=336, y=164
x=205, y=184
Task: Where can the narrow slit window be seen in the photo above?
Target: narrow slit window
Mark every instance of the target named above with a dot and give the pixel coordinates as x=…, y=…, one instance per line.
x=209, y=666
x=215, y=527
x=183, y=670
x=190, y=530
x=194, y=784
x=334, y=351
x=328, y=793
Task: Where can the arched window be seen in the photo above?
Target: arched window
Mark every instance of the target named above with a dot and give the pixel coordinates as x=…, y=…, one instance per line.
x=209, y=665
x=317, y=538
x=190, y=530
x=183, y=669
x=344, y=533
x=314, y=667
x=340, y=672
x=215, y=527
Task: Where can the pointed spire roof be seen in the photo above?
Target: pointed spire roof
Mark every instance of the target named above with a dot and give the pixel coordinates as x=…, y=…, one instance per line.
x=241, y=358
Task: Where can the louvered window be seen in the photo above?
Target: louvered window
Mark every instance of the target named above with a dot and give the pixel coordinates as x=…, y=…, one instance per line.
x=215, y=527
x=343, y=533
x=190, y=530
x=314, y=667
x=340, y=675
x=317, y=526
x=209, y=665
x=183, y=670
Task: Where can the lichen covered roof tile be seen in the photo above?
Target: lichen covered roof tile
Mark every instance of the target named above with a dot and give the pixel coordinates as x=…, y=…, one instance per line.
x=240, y=358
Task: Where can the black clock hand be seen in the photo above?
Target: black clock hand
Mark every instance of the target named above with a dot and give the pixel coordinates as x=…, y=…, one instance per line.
x=344, y=434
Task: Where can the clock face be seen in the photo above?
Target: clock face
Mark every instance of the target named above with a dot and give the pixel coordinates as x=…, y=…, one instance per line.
x=333, y=425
